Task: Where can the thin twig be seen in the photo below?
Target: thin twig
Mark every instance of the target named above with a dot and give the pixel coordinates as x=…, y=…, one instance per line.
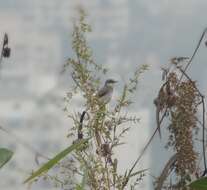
x=158, y=109
x=1, y=56
x=143, y=151
x=150, y=140
x=186, y=75
x=165, y=172
x=194, y=53
x=203, y=137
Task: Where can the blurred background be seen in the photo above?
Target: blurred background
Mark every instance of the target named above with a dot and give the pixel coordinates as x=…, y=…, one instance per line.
x=125, y=34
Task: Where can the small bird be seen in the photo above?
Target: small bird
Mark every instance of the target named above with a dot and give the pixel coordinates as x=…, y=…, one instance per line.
x=105, y=93
x=104, y=96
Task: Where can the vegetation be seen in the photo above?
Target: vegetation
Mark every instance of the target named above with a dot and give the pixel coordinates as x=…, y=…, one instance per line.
x=5, y=154
x=97, y=131
x=95, y=160
x=181, y=103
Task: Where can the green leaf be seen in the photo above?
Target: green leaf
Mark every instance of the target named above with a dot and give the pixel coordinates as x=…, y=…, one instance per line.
x=83, y=182
x=200, y=184
x=56, y=159
x=5, y=156
x=78, y=187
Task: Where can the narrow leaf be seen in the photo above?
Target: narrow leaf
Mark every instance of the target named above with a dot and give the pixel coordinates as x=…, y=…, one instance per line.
x=200, y=184
x=83, y=182
x=5, y=156
x=55, y=160
x=138, y=172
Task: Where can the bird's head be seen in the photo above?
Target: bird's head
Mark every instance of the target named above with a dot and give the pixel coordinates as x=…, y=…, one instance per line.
x=110, y=82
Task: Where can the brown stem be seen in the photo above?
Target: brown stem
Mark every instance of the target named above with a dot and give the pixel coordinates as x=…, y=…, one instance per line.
x=165, y=172
x=143, y=151
x=195, y=51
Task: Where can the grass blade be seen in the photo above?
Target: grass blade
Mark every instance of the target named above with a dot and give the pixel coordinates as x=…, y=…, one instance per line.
x=200, y=184
x=5, y=156
x=55, y=160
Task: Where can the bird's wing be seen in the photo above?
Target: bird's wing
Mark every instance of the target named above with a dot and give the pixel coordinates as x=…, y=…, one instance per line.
x=102, y=92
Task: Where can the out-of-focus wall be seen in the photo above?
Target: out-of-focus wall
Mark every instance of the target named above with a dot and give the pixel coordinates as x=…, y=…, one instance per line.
x=125, y=34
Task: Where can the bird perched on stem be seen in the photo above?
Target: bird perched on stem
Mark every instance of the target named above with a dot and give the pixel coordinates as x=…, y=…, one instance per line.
x=104, y=96
x=105, y=93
